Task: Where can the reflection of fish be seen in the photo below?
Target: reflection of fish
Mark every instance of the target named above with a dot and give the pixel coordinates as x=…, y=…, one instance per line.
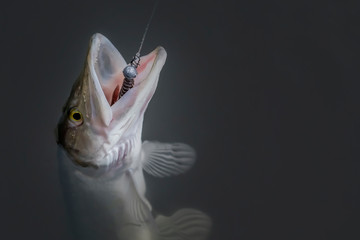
x=101, y=156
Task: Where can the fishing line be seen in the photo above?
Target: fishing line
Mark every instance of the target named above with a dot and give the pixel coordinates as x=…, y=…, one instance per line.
x=130, y=70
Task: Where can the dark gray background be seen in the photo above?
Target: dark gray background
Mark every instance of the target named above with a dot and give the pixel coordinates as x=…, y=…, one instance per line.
x=266, y=92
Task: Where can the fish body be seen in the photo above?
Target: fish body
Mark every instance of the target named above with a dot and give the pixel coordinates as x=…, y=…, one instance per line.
x=102, y=156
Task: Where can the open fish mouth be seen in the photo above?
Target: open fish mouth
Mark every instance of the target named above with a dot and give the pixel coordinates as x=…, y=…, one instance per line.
x=108, y=64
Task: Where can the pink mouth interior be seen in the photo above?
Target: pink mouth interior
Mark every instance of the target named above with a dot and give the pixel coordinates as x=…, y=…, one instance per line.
x=112, y=86
x=112, y=89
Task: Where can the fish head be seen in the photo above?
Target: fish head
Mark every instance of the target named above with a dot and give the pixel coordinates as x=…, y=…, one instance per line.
x=97, y=128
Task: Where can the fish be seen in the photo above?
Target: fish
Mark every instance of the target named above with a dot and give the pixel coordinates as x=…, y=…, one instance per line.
x=102, y=158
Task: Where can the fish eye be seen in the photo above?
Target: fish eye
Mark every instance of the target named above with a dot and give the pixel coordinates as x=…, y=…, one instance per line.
x=75, y=116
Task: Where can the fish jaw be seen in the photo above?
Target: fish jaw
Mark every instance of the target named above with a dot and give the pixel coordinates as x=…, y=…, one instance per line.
x=108, y=123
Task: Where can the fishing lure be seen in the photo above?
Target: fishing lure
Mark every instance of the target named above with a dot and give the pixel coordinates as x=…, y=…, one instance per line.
x=130, y=71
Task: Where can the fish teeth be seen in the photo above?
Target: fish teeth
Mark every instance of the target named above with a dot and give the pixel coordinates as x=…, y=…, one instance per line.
x=111, y=156
x=121, y=152
x=126, y=148
x=118, y=155
x=132, y=143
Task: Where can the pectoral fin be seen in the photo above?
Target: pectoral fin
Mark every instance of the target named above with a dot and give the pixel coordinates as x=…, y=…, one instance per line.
x=185, y=224
x=167, y=159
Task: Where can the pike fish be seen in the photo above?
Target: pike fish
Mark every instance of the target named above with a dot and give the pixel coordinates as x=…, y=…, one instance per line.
x=102, y=157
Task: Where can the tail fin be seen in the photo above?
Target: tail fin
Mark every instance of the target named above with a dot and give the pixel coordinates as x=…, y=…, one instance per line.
x=185, y=224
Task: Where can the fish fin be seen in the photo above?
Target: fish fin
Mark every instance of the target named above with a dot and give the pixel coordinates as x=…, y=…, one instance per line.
x=140, y=207
x=167, y=159
x=185, y=224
